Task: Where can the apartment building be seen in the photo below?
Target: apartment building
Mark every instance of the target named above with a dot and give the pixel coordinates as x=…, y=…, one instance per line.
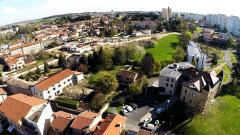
x=25, y=114
x=169, y=78
x=195, y=55
x=27, y=48
x=166, y=13
x=54, y=85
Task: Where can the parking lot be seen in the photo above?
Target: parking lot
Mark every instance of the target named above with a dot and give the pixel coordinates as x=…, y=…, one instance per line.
x=137, y=116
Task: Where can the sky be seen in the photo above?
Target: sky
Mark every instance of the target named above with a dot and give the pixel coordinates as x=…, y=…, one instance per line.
x=19, y=10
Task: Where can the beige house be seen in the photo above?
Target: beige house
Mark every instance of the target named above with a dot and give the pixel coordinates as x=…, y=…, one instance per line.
x=201, y=88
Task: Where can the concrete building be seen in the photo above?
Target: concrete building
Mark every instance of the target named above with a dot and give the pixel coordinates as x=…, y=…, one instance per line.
x=14, y=63
x=25, y=114
x=196, y=56
x=166, y=13
x=54, y=85
x=200, y=88
x=27, y=48
x=169, y=78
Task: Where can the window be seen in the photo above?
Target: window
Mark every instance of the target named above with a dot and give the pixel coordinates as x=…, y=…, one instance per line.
x=54, y=88
x=172, y=80
x=167, y=79
x=64, y=82
x=170, y=92
x=185, y=91
x=69, y=80
x=190, y=101
x=167, y=84
x=192, y=94
x=48, y=92
x=59, y=85
x=184, y=99
x=171, y=85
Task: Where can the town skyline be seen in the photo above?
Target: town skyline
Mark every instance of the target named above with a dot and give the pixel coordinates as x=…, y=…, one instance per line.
x=15, y=11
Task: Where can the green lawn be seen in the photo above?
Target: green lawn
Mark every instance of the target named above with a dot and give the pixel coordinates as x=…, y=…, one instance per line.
x=221, y=119
x=226, y=73
x=164, y=48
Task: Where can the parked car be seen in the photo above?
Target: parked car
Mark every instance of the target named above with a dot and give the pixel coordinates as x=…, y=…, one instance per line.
x=125, y=112
x=128, y=108
x=149, y=126
x=147, y=120
x=133, y=105
x=160, y=110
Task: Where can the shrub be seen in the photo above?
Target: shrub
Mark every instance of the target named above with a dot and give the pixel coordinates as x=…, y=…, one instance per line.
x=68, y=103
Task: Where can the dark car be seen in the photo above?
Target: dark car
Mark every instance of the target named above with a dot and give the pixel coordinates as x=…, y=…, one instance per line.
x=133, y=105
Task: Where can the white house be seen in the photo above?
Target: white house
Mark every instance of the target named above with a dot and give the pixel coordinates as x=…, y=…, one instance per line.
x=195, y=54
x=14, y=64
x=54, y=85
x=26, y=114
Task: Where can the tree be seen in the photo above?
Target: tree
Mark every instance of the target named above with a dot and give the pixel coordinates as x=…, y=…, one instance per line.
x=160, y=27
x=188, y=35
x=38, y=71
x=106, y=56
x=214, y=59
x=148, y=64
x=98, y=101
x=229, y=42
x=179, y=54
x=119, y=56
x=157, y=66
x=107, y=83
x=135, y=89
x=62, y=62
x=225, y=30
x=46, y=67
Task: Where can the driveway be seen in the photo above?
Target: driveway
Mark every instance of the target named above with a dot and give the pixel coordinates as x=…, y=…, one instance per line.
x=136, y=116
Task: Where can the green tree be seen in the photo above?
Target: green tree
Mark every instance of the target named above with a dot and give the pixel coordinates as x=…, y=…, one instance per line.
x=106, y=57
x=188, y=35
x=148, y=64
x=46, y=67
x=160, y=27
x=38, y=71
x=157, y=66
x=214, y=59
x=135, y=89
x=119, y=56
x=230, y=42
x=179, y=54
x=107, y=83
x=98, y=101
x=62, y=62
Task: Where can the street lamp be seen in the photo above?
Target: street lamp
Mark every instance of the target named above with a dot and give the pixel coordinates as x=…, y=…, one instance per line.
x=168, y=101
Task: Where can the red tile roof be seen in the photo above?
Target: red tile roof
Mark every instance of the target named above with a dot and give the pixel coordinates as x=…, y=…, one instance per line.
x=83, y=120
x=111, y=125
x=17, y=106
x=45, y=84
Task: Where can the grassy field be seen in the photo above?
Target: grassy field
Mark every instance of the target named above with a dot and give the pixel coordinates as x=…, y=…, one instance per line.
x=227, y=73
x=164, y=48
x=221, y=119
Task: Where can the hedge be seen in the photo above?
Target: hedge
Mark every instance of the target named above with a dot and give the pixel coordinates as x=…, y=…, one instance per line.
x=68, y=103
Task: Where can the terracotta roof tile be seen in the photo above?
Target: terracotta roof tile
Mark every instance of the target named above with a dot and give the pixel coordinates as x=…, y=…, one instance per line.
x=17, y=106
x=45, y=84
x=60, y=123
x=83, y=120
x=110, y=125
